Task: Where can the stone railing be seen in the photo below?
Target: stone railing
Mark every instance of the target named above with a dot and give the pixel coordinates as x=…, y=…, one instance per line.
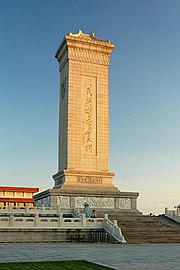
x=76, y=213
x=40, y=219
x=113, y=229
x=173, y=214
x=47, y=220
x=41, y=209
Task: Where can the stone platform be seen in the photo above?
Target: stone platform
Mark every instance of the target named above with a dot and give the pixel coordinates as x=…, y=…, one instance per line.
x=97, y=199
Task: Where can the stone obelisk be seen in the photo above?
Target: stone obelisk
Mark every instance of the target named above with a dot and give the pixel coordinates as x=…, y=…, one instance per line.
x=83, y=174
x=83, y=119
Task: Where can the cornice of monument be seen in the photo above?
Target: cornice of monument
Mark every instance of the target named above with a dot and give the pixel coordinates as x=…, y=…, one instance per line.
x=78, y=172
x=85, y=48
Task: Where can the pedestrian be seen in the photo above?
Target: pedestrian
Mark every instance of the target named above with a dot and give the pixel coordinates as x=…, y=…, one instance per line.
x=86, y=210
x=93, y=214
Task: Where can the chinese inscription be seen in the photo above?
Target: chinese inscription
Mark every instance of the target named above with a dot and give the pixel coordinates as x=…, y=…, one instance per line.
x=89, y=180
x=88, y=122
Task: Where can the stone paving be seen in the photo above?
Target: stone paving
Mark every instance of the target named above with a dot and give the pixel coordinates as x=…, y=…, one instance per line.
x=122, y=257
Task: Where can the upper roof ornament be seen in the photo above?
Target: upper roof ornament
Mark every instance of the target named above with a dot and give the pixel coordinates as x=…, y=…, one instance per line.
x=91, y=35
x=76, y=35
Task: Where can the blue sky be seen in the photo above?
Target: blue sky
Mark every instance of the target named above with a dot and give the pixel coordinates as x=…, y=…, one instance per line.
x=144, y=83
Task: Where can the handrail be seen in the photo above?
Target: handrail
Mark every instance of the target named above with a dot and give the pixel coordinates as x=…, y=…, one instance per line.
x=173, y=214
x=33, y=209
x=113, y=229
x=76, y=213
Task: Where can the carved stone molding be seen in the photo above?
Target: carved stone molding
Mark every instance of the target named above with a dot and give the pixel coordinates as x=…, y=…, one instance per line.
x=88, y=56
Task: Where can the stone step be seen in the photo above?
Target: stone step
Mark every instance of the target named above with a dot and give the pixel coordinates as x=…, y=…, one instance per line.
x=138, y=228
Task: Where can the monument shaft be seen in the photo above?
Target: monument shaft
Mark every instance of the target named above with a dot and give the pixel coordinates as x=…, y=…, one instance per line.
x=83, y=119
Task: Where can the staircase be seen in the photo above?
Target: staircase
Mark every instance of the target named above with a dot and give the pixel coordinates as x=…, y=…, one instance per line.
x=137, y=228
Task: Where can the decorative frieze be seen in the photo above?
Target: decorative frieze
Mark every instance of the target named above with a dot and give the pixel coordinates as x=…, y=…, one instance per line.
x=63, y=201
x=89, y=180
x=89, y=56
x=94, y=202
x=124, y=203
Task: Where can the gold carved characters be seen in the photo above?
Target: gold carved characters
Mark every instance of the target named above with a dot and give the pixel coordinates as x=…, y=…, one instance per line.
x=87, y=121
x=89, y=180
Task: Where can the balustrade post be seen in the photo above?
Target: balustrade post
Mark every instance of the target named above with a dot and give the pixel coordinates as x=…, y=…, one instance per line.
x=84, y=220
x=60, y=220
x=105, y=219
x=36, y=220
x=106, y=216
x=11, y=220
x=115, y=223
x=26, y=207
x=42, y=208
x=10, y=208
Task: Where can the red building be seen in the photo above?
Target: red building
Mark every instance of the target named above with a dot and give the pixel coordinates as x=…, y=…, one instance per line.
x=17, y=196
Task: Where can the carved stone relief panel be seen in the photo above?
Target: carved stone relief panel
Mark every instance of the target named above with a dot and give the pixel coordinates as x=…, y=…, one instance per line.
x=38, y=203
x=63, y=201
x=94, y=202
x=46, y=201
x=125, y=203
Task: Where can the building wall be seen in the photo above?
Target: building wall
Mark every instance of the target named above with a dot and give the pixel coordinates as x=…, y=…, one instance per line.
x=17, y=196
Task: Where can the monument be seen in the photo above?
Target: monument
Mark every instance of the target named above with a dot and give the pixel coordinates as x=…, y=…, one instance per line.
x=83, y=174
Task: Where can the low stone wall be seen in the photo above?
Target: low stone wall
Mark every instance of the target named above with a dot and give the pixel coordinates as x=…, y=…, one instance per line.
x=43, y=235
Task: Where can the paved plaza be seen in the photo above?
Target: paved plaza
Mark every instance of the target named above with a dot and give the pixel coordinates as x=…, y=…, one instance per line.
x=122, y=256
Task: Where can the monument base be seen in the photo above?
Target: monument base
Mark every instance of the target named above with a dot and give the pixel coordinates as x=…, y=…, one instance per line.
x=84, y=180
x=100, y=200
